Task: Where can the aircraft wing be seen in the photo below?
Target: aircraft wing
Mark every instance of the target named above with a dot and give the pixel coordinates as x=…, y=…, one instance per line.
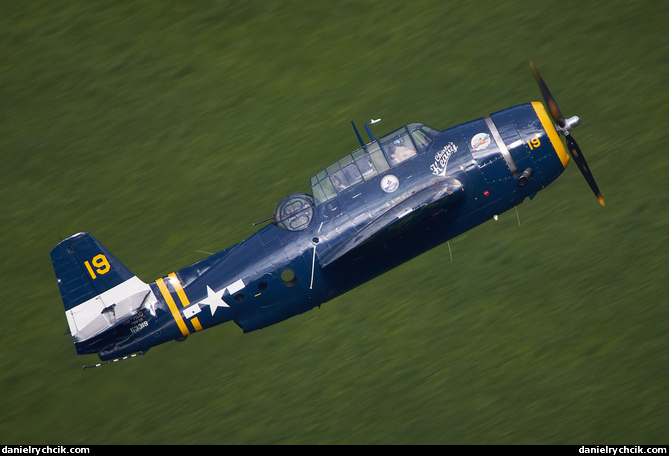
x=423, y=204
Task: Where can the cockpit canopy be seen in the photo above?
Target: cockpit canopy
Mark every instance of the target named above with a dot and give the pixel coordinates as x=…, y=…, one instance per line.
x=374, y=158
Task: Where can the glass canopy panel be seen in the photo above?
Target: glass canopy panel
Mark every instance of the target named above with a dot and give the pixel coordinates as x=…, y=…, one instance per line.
x=398, y=146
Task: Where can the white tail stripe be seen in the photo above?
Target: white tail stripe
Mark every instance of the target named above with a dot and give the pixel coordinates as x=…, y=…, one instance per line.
x=88, y=319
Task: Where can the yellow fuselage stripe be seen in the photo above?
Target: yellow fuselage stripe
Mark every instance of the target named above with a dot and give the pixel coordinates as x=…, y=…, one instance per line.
x=184, y=299
x=180, y=291
x=551, y=132
x=196, y=324
x=173, y=307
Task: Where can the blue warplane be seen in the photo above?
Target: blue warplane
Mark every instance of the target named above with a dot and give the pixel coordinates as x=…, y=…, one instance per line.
x=389, y=201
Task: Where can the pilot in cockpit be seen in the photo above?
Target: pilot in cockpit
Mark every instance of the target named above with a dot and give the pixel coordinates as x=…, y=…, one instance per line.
x=401, y=152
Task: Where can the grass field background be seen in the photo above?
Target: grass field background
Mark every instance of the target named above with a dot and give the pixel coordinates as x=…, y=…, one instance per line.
x=167, y=128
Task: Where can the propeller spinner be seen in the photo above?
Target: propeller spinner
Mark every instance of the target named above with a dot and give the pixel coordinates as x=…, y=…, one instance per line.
x=564, y=127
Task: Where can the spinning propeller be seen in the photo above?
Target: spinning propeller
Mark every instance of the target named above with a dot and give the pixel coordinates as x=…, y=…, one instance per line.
x=564, y=127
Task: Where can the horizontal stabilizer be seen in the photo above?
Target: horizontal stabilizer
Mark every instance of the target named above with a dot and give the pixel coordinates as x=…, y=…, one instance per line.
x=108, y=310
x=98, y=291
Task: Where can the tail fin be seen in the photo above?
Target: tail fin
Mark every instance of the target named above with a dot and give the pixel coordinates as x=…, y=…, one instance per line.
x=98, y=291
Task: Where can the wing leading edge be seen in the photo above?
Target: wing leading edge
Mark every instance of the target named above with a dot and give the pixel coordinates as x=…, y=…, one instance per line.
x=426, y=203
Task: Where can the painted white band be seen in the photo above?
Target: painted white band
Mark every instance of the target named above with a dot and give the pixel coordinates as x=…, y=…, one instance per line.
x=92, y=317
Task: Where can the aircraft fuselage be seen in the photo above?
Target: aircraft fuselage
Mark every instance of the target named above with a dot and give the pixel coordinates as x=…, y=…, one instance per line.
x=499, y=160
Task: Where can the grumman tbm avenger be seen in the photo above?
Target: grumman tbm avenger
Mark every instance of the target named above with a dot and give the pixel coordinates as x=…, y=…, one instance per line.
x=392, y=199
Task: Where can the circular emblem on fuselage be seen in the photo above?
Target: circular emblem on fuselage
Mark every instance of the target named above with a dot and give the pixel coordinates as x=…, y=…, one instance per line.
x=480, y=141
x=390, y=183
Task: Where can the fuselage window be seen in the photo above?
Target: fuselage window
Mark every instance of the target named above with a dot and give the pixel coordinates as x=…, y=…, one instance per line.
x=289, y=278
x=347, y=172
x=322, y=187
x=339, y=180
x=365, y=164
x=431, y=132
x=398, y=146
x=336, y=174
x=375, y=153
x=422, y=135
x=351, y=171
x=421, y=139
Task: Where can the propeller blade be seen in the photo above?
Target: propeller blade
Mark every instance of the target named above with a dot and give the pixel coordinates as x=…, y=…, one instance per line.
x=564, y=127
x=579, y=159
x=548, y=98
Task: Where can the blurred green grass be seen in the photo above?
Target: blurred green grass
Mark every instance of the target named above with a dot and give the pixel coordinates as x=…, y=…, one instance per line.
x=168, y=128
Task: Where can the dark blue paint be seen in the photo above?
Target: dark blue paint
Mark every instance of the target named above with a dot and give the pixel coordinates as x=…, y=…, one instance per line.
x=487, y=187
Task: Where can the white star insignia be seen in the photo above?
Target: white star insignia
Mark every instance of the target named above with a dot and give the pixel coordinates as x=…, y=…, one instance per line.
x=214, y=299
